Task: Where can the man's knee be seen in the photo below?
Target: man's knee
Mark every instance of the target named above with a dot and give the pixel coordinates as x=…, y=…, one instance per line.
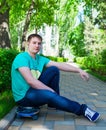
x=54, y=69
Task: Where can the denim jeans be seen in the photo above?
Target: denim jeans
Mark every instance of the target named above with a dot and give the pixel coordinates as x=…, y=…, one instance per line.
x=38, y=97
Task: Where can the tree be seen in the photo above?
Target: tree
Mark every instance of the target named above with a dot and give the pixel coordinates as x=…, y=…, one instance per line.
x=89, y=34
x=4, y=25
x=27, y=22
x=95, y=26
x=5, y=9
x=14, y=12
x=34, y=14
x=100, y=6
x=67, y=23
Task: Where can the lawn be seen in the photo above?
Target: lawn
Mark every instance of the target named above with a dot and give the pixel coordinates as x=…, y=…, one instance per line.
x=6, y=103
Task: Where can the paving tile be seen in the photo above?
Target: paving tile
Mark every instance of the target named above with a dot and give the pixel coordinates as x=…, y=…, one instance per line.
x=100, y=104
x=25, y=128
x=69, y=116
x=83, y=121
x=65, y=127
x=80, y=127
x=96, y=128
x=53, y=115
x=101, y=122
x=17, y=123
x=13, y=128
x=35, y=128
x=49, y=124
x=32, y=123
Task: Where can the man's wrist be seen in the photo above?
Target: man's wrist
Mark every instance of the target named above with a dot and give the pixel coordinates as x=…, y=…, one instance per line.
x=79, y=70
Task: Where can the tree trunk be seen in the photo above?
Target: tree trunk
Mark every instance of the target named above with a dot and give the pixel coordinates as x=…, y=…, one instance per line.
x=26, y=26
x=4, y=27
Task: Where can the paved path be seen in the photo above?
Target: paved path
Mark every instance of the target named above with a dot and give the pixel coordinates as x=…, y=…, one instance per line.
x=73, y=87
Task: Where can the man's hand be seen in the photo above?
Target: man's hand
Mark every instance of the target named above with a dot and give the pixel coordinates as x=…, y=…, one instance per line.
x=84, y=75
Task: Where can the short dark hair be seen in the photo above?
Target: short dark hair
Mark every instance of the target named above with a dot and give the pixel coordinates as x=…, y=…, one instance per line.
x=34, y=35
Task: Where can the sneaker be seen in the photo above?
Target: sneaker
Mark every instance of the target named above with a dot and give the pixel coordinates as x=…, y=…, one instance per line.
x=91, y=114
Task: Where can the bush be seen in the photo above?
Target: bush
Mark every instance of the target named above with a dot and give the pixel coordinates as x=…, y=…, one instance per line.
x=6, y=58
x=92, y=63
x=58, y=59
x=103, y=57
x=101, y=68
x=88, y=62
x=52, y=58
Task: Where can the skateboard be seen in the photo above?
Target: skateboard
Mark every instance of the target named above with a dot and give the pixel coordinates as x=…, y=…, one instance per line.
x=27, y=112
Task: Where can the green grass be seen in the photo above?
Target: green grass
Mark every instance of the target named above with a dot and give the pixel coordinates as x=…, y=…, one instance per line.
x=6, y=103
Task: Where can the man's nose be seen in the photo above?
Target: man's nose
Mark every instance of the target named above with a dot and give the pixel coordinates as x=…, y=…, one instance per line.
x=37, y=45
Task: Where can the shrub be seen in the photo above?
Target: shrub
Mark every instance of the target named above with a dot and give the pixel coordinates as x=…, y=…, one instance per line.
x=103, y=56
x=92, y=63
x=6, y=58
x=58, y=59
x=101, y=68
x=88, y=62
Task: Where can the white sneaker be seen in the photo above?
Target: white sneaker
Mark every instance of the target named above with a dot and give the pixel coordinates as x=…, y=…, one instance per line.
x=91, y=114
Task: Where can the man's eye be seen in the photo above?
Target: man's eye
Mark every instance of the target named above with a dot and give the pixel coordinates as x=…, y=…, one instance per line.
x=39, y=43
x=34, y=42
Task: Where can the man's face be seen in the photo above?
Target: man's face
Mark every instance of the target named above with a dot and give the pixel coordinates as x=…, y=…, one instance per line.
x=34, y=45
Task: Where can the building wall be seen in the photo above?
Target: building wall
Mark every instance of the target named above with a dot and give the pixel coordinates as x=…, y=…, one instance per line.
x=50, y=36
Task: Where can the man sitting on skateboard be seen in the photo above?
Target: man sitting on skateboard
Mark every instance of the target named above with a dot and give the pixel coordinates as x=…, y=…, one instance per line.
x=35, y=81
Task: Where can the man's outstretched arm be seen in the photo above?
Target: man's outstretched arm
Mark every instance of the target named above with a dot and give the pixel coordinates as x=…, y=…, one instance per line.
x=69, y=68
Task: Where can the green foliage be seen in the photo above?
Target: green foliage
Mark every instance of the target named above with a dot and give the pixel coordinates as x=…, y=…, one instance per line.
x=76, y=41
x=61, y=59
x=88, y=62
x=94, y=39
x=92, y=63
x=14, y=37
x=103, y=56
x=96, y=74
x=57, y=59
x=6, y=58
x=85, y=38
x=6, y=103
x=42, y=12
x=100, y=7
x=66, y=20
x=101, y=17
x=101, y=68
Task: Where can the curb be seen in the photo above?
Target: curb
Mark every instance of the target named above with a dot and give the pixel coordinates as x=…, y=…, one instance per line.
x=7, y=120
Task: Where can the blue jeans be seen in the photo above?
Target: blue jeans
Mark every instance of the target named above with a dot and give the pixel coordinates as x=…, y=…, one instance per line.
x=38, y=97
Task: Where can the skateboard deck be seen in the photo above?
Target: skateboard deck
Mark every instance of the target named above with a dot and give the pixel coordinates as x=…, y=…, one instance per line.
x=28, y=112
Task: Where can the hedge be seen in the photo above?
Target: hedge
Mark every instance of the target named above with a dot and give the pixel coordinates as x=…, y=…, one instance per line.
x=6, y=58
x=92, y=63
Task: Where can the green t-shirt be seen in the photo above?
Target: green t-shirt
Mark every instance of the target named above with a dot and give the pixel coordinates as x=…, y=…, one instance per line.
x=36, y=65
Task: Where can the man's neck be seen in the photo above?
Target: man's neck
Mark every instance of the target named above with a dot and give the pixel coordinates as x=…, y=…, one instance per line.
x=32, y=54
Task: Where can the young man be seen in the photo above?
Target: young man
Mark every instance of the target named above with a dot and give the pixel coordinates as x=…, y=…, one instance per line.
x=35, y=81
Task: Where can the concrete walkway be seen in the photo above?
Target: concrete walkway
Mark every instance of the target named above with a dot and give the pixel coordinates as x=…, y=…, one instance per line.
x=73, y=87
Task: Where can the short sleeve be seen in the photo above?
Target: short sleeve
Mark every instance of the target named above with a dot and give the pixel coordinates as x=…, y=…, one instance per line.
x=20, y=61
